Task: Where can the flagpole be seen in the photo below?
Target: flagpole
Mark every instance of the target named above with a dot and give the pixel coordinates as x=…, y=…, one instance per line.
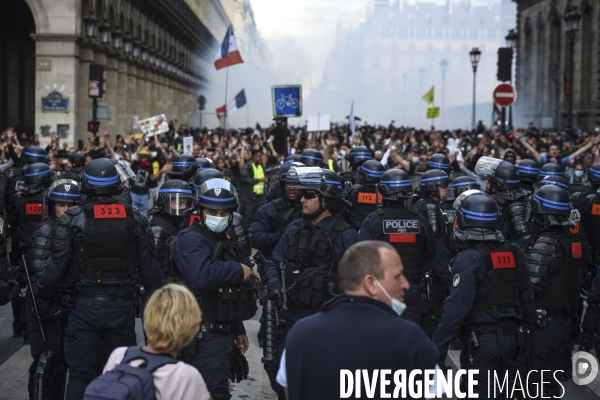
x=226, y=83
x=247, y=113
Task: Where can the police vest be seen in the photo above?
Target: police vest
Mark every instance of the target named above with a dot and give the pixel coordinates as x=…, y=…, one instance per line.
x=31, y=214
x=594, y=222
x=562, y=288
x=286, y=213
x=109, y=244
x=364, y=202
x=500, y=284
x=311, y=268
x=402, y=229
x=230, y=302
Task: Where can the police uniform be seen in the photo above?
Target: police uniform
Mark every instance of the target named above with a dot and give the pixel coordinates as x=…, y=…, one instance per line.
x=210, y=265
x=490, y=300
x=99, y=247
x=363, y=196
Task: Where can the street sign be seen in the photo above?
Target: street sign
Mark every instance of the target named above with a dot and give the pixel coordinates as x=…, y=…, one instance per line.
x=433, y=112
x=505, y=95
x=287, y=100
x=102, y=111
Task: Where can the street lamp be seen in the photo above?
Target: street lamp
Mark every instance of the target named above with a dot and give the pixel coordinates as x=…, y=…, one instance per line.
x=105, y=33
x=136, y=49
x=90, y=23
x=117, y=39
x=444, y=69
x=475, y=55
x=127, y=44
x=572, y=18
x=511, y=42
x=144, y=53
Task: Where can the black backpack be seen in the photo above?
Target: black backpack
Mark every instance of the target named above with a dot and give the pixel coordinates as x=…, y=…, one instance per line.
x=126, y=382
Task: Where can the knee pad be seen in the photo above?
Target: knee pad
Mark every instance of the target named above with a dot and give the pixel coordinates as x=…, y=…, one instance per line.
x=45, y=364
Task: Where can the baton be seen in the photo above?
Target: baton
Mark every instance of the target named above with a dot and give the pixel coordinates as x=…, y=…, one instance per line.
x=35, y=308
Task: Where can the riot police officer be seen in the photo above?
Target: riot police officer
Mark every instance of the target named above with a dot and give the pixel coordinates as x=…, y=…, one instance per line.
x=101, y=247
x=439, y=161
x=553, y=262
x=502, y=183
x=551, y=169
x=175, y=200
x=48, y=371
x=528, y=174
x=276, y=190
x=205, y=174
x=27, y=213
x=363, y=195
x=184, y=168
x=312, y=158
x=408, y=232
x=490, y=298
x=31, y=155
x=356, y=157
x=77, y=164
x=204, y=163
x=434, y=188
x=462, y=184
x=217, y=271
x=302, y=273
x=127, y=176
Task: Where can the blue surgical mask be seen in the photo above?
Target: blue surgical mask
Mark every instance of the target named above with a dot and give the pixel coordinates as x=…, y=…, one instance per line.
x=543, y=154
x=216, y=224
x=578, y=173
x=397, y=305
x=415, y=160
x=469, y=148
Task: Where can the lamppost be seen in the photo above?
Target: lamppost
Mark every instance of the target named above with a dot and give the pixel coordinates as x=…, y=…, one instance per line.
x=421, y=72
x=511, y=42
x=444, y=68
x=572, y=18
x=91, y=23
x=105, y=33
x=475, y=55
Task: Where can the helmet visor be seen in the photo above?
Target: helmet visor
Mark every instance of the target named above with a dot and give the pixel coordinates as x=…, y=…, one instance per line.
x=177, y=203
x=486, y=166
x=125, y=172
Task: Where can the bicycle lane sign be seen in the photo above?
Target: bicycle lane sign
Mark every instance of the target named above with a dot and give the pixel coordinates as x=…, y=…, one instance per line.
x=287, y=100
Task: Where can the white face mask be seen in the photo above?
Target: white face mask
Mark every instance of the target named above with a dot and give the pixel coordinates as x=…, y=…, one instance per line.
x=153, y=154
x=216, y=224
x=415, y=160
x=397, y=305
x=578, y=173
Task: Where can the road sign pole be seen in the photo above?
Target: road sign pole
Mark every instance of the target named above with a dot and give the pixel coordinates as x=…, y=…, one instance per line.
x=503, y=121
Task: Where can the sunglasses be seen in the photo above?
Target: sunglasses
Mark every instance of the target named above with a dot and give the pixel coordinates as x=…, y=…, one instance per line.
x=423, y=159
x=310, y=195
x=444, y=186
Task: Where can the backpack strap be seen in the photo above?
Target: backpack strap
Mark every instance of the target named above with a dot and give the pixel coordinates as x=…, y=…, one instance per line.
x=152, y=362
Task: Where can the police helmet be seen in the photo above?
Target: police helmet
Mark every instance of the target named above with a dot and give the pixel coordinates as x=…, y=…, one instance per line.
x=464, y=183
x=358, y=155
x=476, y=210
x=395, y=183
x=334, y=183
x=185, y=163
x=32, y=155
x=439, y=161
x=528, y=170
x=125, y=172
x=502, y=176
x=217, y=194
x=204, y=175
x=551, y=200
x=370, y=172
x=100, y=178
x=594, y=175
x=176, y=197
x=432, y=180
x=39, y=173
x=64, y=191
x=77, y=160
x=281, y=175
x=553, y=180
x=204, y=163
x=308, y=178
x=291, y=159
x=311, y=158
x=551, y=169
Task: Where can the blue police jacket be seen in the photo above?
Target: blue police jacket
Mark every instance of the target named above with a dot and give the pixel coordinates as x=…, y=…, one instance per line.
x=263, y=235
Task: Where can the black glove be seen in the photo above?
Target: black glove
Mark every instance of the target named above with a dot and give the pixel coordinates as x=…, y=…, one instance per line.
x=586, y=341
x=239, y=365
x=8, y=291
x=275, y=294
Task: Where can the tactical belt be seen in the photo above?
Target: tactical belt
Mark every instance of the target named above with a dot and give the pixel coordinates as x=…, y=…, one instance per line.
x=107, y=297
x=210, y=327
x=493, y=331
x=557, y=314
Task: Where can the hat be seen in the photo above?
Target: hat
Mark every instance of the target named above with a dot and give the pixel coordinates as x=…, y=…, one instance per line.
x=144, y=152
x=62, y=154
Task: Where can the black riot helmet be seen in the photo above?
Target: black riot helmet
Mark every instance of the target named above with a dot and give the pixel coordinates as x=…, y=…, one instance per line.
x=204, y=175
x=549, y=206
x=462, y=184
x=370, y=172
x=217, y=194
x=175, y=197
x=308, y=178
x=333, y=181
x=528, y=170
x=502, y=176
x=395, y=184
x=184, y=167
x=77, y=160
x=291, y=159
x=432, y=180
x=204, y=163
x=476, y=217
x=358, y=155
x=439, y=161
x=594, y=175
x=100, y=178
x=281, y=175
x=551, y=169
x=39, y=174
x=64, y=191
x=311, y=158
x=32, y=155
x=553, y=180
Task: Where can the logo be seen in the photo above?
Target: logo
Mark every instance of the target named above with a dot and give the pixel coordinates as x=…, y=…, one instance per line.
x=585, y=368
x=456, y=280
x=217, y=192
x=517, y=172
x=401, y=226
x=67, y=187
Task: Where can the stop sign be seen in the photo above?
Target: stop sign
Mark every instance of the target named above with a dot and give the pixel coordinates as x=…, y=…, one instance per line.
x=505, y=95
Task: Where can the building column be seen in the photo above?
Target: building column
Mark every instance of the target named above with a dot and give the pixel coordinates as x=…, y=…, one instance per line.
x=141, y=94
x=112, y=89
x=86, y=58
x=154, y=106
x=123, y=112
x=132, y=80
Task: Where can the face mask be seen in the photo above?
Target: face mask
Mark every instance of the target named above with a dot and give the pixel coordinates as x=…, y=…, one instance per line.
x=397, y=305
x=64, y=161
x=578, y=173
x=415, y=160
x=216, y=224
x=153, y=154
x=469, y=148
x=543, y=155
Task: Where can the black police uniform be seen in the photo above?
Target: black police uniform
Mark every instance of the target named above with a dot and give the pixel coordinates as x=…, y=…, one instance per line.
x=364, y=196
x=99, y=247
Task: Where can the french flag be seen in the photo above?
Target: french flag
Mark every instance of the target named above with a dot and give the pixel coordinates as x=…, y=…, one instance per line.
x=233, y=105
x=228, y=54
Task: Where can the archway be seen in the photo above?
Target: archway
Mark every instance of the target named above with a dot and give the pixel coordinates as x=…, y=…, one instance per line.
x=17, y=68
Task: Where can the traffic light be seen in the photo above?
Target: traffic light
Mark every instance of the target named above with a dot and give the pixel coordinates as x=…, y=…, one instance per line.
x=96, y=81
x=201, y=102
x=504, y=64
x=93, y=126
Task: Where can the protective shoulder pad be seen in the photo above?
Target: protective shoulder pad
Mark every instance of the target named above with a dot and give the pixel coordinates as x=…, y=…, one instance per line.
x=541, y=255
x=589, y=200
x=160, y=237
x=278, y=203
x=139, y=218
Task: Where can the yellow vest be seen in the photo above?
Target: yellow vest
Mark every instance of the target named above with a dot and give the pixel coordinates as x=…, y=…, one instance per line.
x=259, y=172
x=330, y=162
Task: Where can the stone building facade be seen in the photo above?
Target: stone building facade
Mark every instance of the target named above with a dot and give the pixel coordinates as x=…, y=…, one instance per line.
x=543, y=59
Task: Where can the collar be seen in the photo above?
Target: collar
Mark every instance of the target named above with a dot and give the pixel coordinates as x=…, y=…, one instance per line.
x=344, y=299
